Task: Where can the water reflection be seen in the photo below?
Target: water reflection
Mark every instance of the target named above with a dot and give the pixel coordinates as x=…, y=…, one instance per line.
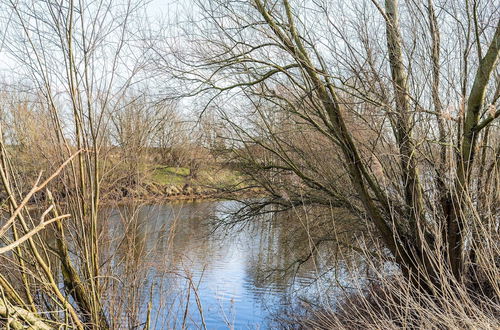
x=170, y=256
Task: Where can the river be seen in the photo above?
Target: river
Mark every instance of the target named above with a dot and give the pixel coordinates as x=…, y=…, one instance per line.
x=171, y=258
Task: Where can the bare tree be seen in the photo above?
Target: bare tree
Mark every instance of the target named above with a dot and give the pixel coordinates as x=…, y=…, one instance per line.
x=79, y=57
x=400, y=96
x=141, y=129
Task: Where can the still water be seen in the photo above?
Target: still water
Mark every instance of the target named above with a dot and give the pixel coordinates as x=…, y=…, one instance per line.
x=193, y=276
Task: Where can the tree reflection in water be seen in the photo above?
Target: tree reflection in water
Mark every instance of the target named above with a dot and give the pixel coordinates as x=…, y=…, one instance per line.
x=241, y=273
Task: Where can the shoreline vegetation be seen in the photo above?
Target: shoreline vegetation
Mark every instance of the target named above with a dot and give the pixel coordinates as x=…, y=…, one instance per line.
x=165, y=183
x=175, y=184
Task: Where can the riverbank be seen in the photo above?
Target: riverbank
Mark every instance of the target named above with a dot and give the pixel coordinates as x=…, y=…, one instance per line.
x=169, y=184
x=178, y=184
x=161, y=193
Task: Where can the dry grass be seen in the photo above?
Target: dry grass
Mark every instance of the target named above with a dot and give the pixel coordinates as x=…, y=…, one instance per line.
x=391, y=301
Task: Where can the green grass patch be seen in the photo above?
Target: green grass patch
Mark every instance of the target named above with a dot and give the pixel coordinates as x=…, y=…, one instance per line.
x=209, y=177
x=170, y=175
